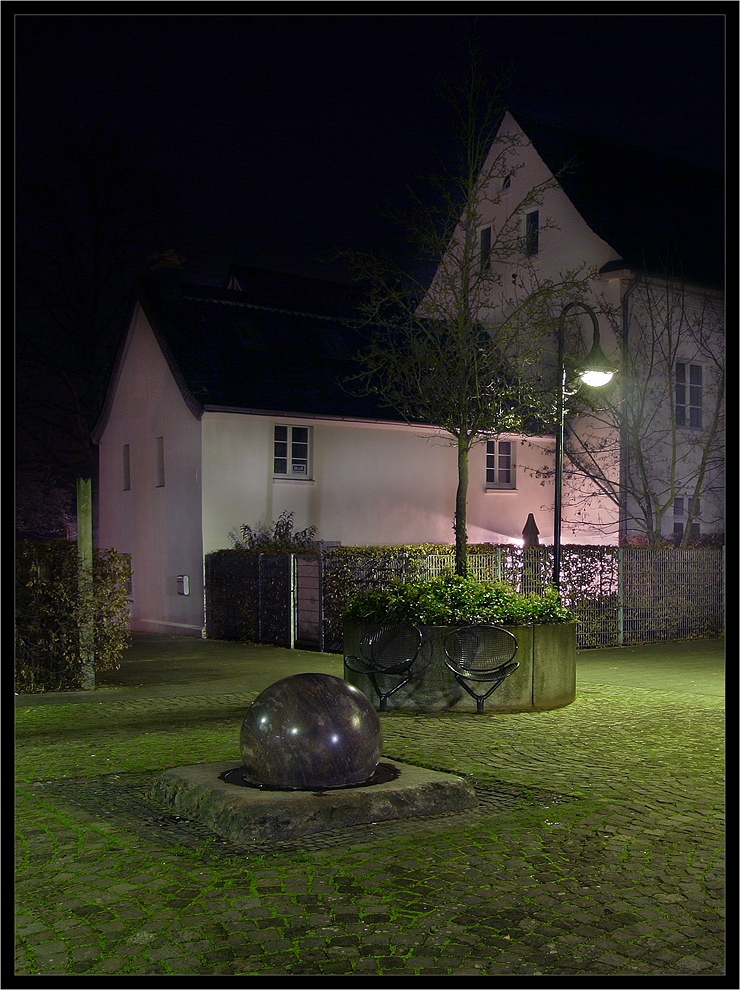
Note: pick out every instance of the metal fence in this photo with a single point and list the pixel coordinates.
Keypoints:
(621, 596)
(672, 594)
(589, 582)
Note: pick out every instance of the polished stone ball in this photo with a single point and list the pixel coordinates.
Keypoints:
(308, 732)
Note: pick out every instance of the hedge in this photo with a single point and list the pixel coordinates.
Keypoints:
(49, 610)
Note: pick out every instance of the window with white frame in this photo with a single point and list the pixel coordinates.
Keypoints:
(500, 464)
(292, 452)
(681, 509)
(689, 385)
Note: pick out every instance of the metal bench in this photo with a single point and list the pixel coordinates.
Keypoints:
(386, 656)
(481, 654)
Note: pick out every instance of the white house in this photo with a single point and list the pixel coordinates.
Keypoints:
(227, 406)
(225, 410)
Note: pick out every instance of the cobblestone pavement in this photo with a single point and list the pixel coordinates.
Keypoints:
(596, 849)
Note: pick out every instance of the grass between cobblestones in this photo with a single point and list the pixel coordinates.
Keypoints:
(597, 849)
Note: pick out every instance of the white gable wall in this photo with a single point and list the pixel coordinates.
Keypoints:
(160, 527)
(565, 243)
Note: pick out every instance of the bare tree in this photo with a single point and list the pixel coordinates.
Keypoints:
(657, 443)
(44, 506)
(465, 354)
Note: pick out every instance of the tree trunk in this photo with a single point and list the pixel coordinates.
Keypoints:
(461, 509)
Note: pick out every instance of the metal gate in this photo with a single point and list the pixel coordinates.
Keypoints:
(309, 626)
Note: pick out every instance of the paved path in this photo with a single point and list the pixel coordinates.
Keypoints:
(596, 849)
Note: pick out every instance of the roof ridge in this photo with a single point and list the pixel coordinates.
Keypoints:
(268, 309)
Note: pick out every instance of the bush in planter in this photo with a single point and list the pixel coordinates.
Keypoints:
(452, 600)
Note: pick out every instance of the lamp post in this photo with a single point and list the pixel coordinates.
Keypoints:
(596, 371)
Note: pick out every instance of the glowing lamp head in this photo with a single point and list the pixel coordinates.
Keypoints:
(596, 378)
(597, 369)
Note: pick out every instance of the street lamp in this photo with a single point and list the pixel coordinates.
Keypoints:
(595, 371)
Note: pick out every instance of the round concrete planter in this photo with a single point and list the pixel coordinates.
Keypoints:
(546, 677)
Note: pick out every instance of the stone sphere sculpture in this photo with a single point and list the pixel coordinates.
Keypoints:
(310, 731)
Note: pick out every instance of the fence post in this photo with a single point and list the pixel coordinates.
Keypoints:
(259, 598)
(620, 596)
(321, 600)
(723, 601)
(293, 599)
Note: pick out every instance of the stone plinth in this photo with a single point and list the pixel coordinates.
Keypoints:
(250, 815)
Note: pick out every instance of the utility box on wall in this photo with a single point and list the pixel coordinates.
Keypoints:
(183, 584)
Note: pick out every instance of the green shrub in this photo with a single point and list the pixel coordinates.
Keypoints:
(50, 610)
(451, 600)
(279, 535)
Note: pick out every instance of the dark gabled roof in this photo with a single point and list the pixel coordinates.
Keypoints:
(297, 293)
(663, 216)
(280, 354)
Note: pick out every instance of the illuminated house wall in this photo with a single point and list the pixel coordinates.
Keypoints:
(370, 484)
(159, 525)
(673, 451)
(614, 212)
(565, 241)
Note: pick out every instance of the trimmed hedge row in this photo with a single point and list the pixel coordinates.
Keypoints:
(50, 609)
(451, 600)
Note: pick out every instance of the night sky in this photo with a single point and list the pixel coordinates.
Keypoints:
(281, 138)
